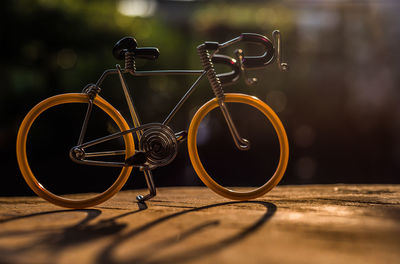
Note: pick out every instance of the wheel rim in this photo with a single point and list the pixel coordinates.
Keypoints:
(198, 166)
(27, 173)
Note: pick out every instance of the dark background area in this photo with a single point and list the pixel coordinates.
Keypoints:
(339, 102)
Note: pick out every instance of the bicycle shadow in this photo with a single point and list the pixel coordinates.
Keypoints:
(91, 214)
(57, 240)
(106, 256)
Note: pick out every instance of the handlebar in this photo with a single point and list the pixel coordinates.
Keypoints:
(252, 62)
(273, 51)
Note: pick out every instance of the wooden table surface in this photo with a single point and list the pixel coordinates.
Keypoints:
(291, 224)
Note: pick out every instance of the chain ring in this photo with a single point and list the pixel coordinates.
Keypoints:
(160, 145)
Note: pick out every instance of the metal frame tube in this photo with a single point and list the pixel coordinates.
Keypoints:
(183, 99)
(129, 100)
(85, 122)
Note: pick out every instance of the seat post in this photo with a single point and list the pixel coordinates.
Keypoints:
(128, 97)
(130, 65)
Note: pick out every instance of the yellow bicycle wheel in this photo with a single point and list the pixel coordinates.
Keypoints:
(69, 100)
(258, 106)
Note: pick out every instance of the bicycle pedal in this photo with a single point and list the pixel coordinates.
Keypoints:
(181, 136)
(138, 159)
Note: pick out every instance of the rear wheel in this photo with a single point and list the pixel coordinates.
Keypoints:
(249, 107)
(42, 139)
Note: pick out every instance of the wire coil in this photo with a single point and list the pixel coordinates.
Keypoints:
(208, 66)
(92, 90)
(159, 144)
(130, 61)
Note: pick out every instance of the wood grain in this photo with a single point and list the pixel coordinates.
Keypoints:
(291, 224)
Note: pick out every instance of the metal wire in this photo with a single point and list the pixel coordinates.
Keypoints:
(130, 65)
(160, 145)
(208, 66)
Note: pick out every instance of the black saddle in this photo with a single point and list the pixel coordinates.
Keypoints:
(129, 44)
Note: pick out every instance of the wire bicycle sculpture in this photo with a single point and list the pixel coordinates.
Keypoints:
(156, 143)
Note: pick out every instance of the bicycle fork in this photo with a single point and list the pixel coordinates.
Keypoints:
(241, 143)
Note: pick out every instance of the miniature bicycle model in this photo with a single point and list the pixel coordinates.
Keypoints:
(157, 143)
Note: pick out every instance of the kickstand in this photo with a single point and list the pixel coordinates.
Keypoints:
(148, 175)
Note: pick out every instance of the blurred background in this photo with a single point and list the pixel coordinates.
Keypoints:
(340, 101)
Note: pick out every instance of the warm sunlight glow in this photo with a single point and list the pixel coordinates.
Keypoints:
(141, 8)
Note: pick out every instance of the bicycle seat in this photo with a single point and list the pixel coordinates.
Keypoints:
(129, 44)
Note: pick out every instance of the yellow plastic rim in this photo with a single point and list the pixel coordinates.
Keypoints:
(198, 166)
(24, 164)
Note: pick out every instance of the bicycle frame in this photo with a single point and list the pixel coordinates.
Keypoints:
(137, 127)
(240, 142)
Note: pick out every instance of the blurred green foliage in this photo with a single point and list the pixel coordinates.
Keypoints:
(244, 15)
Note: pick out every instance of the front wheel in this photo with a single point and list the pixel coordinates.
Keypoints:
(256, 107)
(45, 138)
